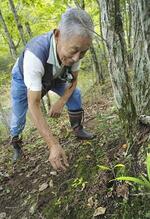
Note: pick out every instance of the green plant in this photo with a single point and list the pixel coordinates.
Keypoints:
(144, 181)
(79, 182)
(117, 170)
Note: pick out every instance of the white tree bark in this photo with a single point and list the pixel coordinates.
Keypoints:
(113, 34)
(141, 56)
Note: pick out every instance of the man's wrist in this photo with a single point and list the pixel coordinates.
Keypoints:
(50, 146)
(63, 100)
(53, 143)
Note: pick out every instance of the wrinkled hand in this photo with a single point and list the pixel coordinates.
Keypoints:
(57, 158)
(56, 109)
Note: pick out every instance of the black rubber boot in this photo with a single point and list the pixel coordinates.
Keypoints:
(76, 120)
(17, 142)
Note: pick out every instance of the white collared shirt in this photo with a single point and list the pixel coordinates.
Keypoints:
(34, 70)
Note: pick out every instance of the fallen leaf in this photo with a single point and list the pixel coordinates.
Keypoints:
(83, 185)
(34, 181)
(54, 173)
(7, 191)
(109, 194)
(24, 217)
(32, 209)
(33, 191)
(96, 203)
(90, 202)
(43, 187)
(124, 146)
(2, 215)
(51, 183)
(44, 175)
(99, 211)
(88, 156)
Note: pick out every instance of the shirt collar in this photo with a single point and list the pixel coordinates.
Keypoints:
(52, 59)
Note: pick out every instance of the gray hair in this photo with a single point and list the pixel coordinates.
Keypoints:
(76, 21)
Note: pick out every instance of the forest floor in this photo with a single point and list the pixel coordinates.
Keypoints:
(32, 189)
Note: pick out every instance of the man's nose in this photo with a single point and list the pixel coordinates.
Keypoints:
(76, 57)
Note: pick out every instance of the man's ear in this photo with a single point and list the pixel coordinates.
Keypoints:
(57, 34)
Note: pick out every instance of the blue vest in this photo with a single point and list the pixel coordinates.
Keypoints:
(40, 46)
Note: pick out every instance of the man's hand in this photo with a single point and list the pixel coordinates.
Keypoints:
(57, 108)
(58, 158)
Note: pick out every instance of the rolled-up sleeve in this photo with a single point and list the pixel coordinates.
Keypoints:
(33, 71)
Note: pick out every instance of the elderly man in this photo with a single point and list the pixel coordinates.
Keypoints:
(51, 62)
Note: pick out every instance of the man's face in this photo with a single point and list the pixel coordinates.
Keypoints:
(71, 50)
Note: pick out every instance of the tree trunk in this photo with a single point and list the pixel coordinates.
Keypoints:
(113, 33)
(28, 29)
(19, 25)
(130, 54)
(144, 8)
(141, 56)
(96, 64)
(80, 4)
(101, 32)
(8, 36)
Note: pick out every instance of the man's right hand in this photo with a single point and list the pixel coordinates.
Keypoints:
(58, 158)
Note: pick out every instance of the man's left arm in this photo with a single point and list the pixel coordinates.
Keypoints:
(56, 109)
(71, 87)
